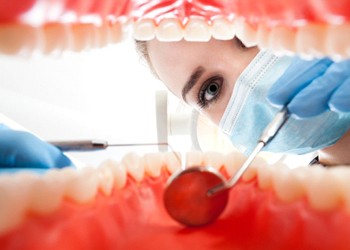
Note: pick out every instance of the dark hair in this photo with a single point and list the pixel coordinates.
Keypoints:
(142, 51)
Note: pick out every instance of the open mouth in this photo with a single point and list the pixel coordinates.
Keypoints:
(119, 205)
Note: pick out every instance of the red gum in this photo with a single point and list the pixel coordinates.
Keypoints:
(134, 218)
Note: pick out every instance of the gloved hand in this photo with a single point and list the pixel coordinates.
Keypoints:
(19, 149)
(312, 87)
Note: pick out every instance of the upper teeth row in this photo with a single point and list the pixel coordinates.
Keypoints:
(312, 40)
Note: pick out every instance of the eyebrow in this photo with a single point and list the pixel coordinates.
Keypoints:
(193, 79)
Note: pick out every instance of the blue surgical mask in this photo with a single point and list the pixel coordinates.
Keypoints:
(248, 113)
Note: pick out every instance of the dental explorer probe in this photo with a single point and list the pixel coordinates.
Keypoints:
(268, 134)
(197, 195)
(92, 145)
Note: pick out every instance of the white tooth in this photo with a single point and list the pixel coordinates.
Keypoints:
(246, 33)
(194, 158)
(172, 161)
(47, 193)
(134, 166)
(263, 36)
(153, 164)
(265, 176)
(14, 198)
(144, 30)
(233, 161)
(222, 29)
(106, 178)
(213, 159)
(197, 30)
(337, 41)
(116, 32)
(81, 185)
(282, 40)
(169, 30)
(289, 185)
(342, 176)
(119, 172)
(310, 40)
(322, 189)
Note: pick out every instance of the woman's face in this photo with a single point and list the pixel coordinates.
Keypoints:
(202, 74)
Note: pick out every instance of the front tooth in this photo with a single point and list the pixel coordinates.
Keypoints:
(144, 30)
(169, 30)
(310, 40)
(81, 185)
(213, 159)
(153, 164)
(246, 33)
(233, 161)
(134, 166)
(194, 158)
(197, 30)
(223, 29)
(115, 32)
(282, 39)
(106, 178)
(337, 40)
(288, 184)
(172, 161)
(118, 171)
(322, 189)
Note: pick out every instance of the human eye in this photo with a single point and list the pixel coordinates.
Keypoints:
(209, 91)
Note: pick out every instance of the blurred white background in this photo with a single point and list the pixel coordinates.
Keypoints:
(104, 93)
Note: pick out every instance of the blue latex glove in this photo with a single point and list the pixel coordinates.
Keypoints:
(19, 149)
(312, 87)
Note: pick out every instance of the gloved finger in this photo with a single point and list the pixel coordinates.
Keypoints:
(4, 127)
(340, 100)
(19, 149)
(313, 100)
(297, 76)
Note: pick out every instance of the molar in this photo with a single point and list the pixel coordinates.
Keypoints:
(169, 30)
(322, 189)
(282, 40)
(310, 40)
(337, 41)
(197, 30)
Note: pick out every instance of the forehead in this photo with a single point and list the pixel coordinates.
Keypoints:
(174, 62)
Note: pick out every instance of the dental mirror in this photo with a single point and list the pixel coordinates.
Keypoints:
(186, 196)
(196, 196)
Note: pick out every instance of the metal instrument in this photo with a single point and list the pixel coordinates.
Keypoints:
(196, 196)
